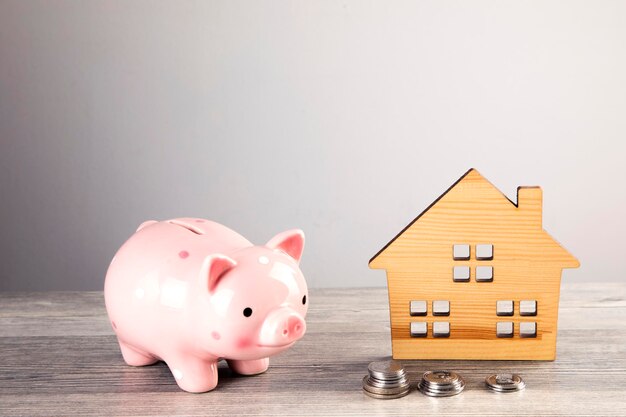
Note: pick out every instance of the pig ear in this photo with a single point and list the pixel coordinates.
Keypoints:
(145, 224)
(214, 267)
(291, 242)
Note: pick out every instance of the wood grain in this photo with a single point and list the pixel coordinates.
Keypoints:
(527, 265)
(60, 358)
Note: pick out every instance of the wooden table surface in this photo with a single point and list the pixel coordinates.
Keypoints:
(58, 356)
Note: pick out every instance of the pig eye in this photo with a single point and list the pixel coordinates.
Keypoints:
(247, 311)
(304, 300)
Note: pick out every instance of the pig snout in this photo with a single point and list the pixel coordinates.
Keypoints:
(282, 326)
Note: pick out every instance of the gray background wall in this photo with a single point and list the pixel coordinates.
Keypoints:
(343, 118)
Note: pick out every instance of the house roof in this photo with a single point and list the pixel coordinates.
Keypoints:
(474, 174)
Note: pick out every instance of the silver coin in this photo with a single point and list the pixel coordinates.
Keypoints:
(386, 396)
(385, 369)
(505, 382)
(386, 385)
(391, 380)
(505, 390)
(442, 378)
(439, 393)
(394, 379)
(388, 381)
(434, 393)
(386, 390)
(457, 389)
(448, 388)
(442, 386)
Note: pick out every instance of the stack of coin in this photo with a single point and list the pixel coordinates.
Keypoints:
(441, 383)
(505, 383)
(386, 380)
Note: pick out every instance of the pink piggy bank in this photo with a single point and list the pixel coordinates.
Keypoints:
(190, 292)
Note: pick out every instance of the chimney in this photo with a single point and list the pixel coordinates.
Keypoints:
(529, 203)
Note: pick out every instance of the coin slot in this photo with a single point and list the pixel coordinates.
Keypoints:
(418, 308)
(528, 329)
(461, 252)
(189, 226)
(504, 329)
(461, 273)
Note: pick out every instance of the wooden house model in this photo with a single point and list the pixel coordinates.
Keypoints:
(475, 276)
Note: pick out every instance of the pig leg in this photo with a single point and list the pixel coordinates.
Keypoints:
(251, 367)
(193, 374)
(134, 357)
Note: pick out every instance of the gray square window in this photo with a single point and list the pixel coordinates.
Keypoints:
(419, 329)
(441, 329)
(461, 274)
(504, 329)
(528, 329)
(418, 308)
(484, 273)
(461, 252)
(528, 308)
(504, 308)
(484, 252)
(441, 308)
